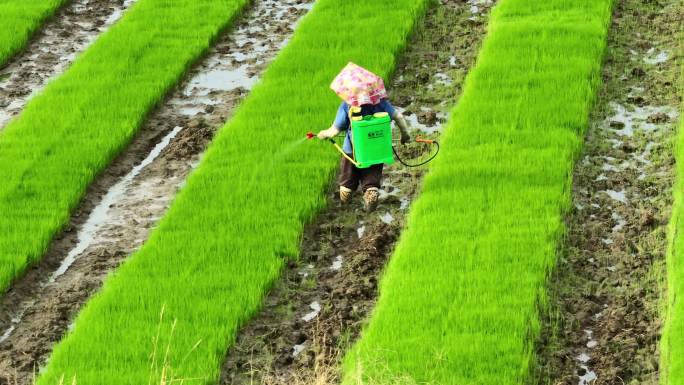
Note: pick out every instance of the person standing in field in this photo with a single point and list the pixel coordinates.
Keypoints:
(363, 93)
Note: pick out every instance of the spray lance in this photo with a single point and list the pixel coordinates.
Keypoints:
(372, 142)
(311, 135)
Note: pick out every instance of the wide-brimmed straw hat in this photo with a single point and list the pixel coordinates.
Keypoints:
(357, 86)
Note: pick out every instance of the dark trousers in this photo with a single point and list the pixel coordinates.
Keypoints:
(351, 176)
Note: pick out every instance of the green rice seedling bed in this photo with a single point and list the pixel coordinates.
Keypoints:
(240, 216)
(19, 20)
(70, 132)
(460, 299)
(672, 340)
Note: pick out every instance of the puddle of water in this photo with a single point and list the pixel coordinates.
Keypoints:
(452, 61)
(9, 331)
(598, 315)
(621, 222)
(337, 263)
(13, 325)
(636, 90)
(636, 118)
(476, 5)
(589, 377)
(583, 358)
(315, 309)
(413, 122)
(654, 57)
(54, 44)
(100, 215)
(222, 80)
(118, 13)
(360, 231)
(616, 143)
(443, 79)
(297, 349)
(609, 167)
(387, 218)
(616, 195)
(388, 190)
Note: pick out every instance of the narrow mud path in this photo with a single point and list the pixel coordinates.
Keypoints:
(53, 49)
(127, 200)
(316, 311)
(608, 290)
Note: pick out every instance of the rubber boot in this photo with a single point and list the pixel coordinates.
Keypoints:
(345, 194)
(370, 198)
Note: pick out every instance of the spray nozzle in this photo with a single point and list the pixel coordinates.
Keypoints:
(310, 135)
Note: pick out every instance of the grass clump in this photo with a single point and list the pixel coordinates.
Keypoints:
(71, 131)
(240, 216)
(459, 302)
(19, 20)
(672, 340)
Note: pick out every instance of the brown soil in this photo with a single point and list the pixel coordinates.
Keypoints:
(345, 249)
(608, 288)
(200, 108)
(52, 50)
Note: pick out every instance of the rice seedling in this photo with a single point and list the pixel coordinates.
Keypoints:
(460, 299)
(19, 20)
(81, 121)
(240, 216)
(672, 340)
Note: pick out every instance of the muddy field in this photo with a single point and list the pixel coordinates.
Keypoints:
(317, 310)
(609, 287)
(53, 49)
(126, 201)
(607, 292)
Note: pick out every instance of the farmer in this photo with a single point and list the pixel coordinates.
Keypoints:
(364, 92)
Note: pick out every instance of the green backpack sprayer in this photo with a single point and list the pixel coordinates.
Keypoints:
(372, 142)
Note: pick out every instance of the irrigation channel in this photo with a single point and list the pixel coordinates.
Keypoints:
(128, 198)
(53, 49)
(316, 310)
(609, 288)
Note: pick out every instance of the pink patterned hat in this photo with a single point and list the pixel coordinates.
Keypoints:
(356, 86)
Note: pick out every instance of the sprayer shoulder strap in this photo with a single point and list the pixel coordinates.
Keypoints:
(351, 131)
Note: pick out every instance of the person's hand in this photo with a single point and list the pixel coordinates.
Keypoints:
(405, 137)
(325, 134)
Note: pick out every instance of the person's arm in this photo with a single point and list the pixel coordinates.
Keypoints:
(341, 120)
(329, 133)
(399, 119)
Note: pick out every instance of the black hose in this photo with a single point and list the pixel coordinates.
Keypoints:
(419, 164)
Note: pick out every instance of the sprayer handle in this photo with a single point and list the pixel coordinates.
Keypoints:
(421, 140)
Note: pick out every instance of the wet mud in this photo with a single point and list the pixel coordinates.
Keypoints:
(316, 311)
(53, 49)
(608, 291)
(128, 198)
